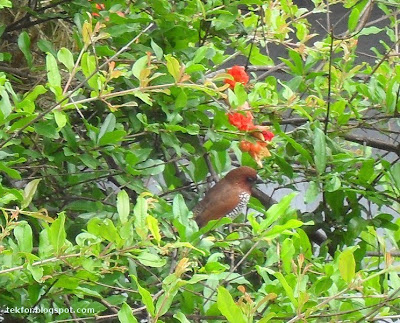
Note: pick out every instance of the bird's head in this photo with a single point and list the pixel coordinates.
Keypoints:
(244, 175)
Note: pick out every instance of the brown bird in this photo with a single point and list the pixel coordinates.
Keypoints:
(226, 198)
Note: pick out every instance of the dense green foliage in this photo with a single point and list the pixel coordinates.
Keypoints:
(112, 118)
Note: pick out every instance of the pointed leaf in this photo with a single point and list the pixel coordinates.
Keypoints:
(146, 297)
(320, 150)
(125, 314)
(228, 307)
(65, 56)
(347, 265)
(57, 235)
(173, 67)
(123, 206)
(23, 234)
(29, 191)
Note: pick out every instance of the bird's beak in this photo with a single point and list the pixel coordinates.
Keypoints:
(259, 180)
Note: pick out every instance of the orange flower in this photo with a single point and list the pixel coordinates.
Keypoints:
(258, 150)
(100, 6)
(239, 75)
(241, 121)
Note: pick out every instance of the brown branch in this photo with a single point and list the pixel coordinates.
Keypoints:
(265, 199)
(373, 143)
(381, 254)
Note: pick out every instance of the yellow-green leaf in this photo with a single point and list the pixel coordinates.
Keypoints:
(173, 67)
(347, 265)
(152, 224)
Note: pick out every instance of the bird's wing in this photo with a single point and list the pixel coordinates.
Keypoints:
(218, 202)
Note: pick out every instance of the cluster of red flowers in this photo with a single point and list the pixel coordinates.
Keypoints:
(243, 121)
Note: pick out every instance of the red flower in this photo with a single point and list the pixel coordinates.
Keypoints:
(268, 135)
(241, 121)
(100, 6)
(239, 75)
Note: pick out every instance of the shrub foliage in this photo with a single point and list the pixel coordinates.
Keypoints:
(114, 121)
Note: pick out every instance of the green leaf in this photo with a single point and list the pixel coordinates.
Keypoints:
(181, 317)
(125, 314)
(278, 229)
(320, 150)
(46, 47)
(140, 214)
(145, 97)
(36, 271)
(241, 94)
(29, 191)
(228, 307)
(171, 288)
(287, 253)
(277, 210)
(23, 234)
(5, 104)
(200, 54)
(57, 235)
(180, 209)
(312, 192)
(27, 104)
(173, 67)
(181, 100)
(82, 291)
(89, 67)
(112, 137)
(333, 183)
(286, 287)
(373, 30)
(297, 147)
(65, 57)
(146, 297)
(151, 260)
(347, 265)
(123, 206)
(395, 171)
(157, 50)
(107, 126)
(104, 228)
(61, 119)
(24, 44)
(366, 173)
(47, 129)
(139, 66)
(353, 19)
(259, 59)
(9, 171)
(53, 74)
(151, 167)
(5, 4)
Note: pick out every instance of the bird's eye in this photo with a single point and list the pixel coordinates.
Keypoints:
(251, 179)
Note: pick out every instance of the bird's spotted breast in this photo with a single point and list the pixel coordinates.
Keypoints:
(244, 198)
